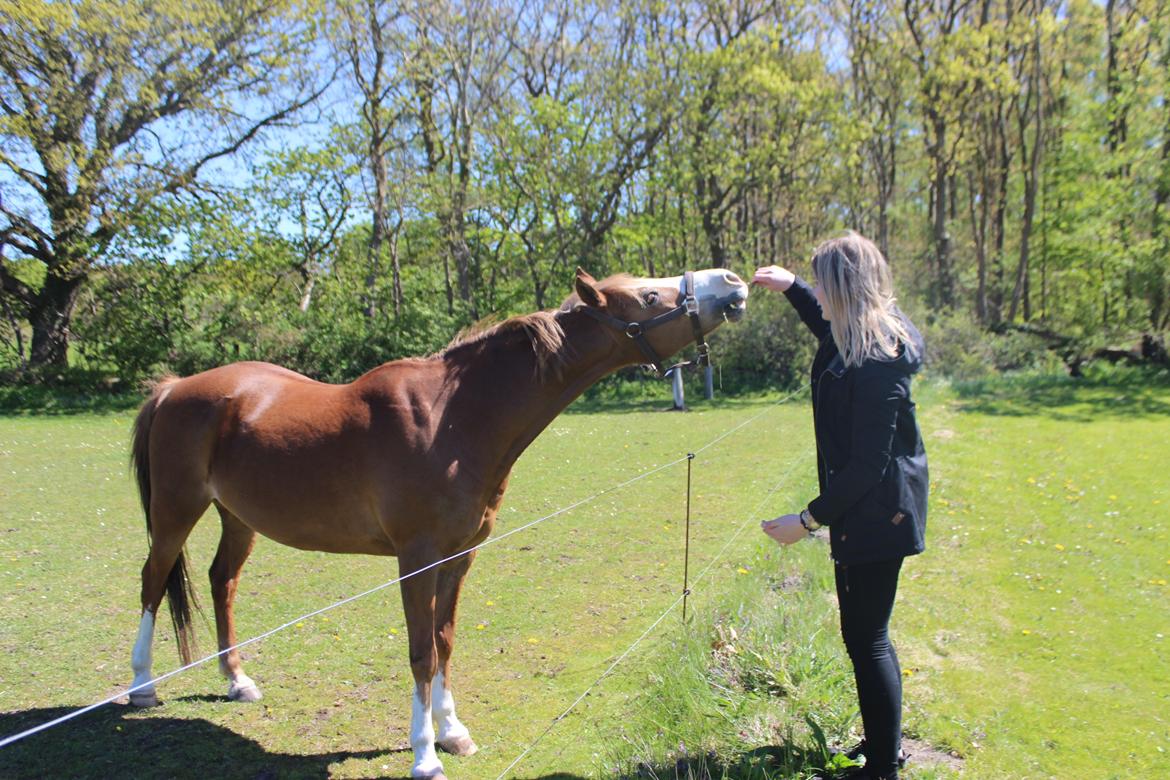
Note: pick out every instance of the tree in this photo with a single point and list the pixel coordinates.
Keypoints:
(457, 64)
(107, 106)
(371, 37)
(305, 199)
(944, 53)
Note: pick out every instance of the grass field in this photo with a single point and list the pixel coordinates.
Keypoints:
(1032, 631)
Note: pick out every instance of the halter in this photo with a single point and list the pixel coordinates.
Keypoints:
(637, 330)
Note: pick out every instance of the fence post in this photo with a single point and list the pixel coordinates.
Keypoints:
(676, 379)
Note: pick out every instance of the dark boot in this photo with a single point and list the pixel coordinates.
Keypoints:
(857, 752)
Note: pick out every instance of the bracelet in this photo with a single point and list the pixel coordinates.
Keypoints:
(808, 521)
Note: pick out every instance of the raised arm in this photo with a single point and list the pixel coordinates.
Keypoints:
(800, 295)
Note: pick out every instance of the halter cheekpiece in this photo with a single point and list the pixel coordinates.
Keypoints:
(637, 330)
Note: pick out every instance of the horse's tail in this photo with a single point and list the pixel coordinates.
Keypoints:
(180, 595)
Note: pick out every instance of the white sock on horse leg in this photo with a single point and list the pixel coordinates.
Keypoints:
(443, 704)
(140, 661)
(422, 739)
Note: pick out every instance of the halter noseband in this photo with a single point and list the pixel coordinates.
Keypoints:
(637, 330)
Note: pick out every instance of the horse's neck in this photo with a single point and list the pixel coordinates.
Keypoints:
(532, 403)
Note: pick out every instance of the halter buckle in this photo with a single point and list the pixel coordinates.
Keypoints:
(633, 329)
(692, 304)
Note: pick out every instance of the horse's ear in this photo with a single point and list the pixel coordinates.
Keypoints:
(587, 289)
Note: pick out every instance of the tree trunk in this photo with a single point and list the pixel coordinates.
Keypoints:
(1161, 230)
(978, 217)
(51, 313)
(379, 230)
(1031, 185)
(942, 201)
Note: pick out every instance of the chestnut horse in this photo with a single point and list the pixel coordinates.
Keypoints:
(410, 460)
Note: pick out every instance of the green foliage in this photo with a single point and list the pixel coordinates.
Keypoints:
(649, 140)
(131, 317)
(772, 350)
(956, 347)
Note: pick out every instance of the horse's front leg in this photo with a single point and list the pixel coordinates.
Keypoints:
(453, 735)
(418, 601)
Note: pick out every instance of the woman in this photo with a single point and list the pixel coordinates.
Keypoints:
(871, 465)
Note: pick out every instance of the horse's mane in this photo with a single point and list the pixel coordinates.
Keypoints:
(542, 328)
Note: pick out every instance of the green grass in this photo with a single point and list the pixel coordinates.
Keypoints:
(1037, 658)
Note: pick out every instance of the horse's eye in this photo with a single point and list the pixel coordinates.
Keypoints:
(651, 297)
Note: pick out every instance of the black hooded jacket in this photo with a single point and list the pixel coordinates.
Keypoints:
(871, 464)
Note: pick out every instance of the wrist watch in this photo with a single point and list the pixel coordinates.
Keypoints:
(808, 521)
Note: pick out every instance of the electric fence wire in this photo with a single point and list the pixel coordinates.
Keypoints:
(10, 739)
(752, 516)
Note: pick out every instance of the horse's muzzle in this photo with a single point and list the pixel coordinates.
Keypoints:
(734, 306)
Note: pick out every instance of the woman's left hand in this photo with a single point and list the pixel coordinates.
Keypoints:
(785, 529)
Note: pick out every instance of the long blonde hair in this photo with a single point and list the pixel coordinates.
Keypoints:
(859, 291)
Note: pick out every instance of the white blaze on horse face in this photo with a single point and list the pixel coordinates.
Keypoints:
(443, 704)
(140, 659)
(422, 739)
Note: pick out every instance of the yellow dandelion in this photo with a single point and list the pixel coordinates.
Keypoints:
(907, 672)
(533, 641)
(742, 570)
(1026, 631)
(491, 603)
(394, 632)
(1059, 547)
(480, 626)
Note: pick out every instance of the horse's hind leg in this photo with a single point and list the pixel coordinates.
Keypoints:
(453, 736)
(164, 573)
(235, 544)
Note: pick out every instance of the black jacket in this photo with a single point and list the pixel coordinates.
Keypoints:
(871, 464)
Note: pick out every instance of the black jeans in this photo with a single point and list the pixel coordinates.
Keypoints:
(865, 595)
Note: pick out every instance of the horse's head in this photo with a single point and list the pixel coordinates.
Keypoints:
(659, 317)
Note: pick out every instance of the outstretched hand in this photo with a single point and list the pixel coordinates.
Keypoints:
(785, 529)
(774, 277)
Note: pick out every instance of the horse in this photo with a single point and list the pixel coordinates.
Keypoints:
(409, 460)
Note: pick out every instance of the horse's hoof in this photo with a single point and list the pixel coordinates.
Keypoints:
(144, 699)
(247, 692)
(458, 746)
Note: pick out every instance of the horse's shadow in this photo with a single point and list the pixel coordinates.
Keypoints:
(117, 741)
(123, 742)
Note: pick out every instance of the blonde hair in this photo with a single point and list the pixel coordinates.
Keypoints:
(859, 292)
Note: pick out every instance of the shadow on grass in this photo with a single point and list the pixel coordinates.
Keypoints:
(764, 763)
(122, 741)
(1125, 394)
(31, 400)
(119, 741)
